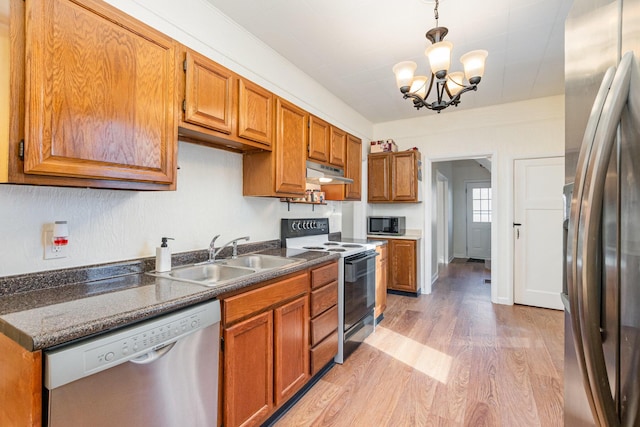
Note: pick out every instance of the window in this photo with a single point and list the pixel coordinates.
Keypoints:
(481, 204)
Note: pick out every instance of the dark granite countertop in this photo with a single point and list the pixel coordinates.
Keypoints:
(43, 318)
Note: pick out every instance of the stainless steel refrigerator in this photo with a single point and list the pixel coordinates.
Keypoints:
(602, 214)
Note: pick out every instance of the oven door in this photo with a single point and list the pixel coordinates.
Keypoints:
(359, 287)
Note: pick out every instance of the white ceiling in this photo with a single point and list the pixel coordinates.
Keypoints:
(350, 46)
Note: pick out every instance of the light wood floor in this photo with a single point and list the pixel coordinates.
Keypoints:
(446, 359)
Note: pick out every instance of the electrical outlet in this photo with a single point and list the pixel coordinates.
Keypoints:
(50, 250)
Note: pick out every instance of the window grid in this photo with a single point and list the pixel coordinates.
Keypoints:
(481, 198)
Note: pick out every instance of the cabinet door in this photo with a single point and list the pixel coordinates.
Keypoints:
(255, 112)
(378, 178)
(353, 168)
(381, 280)
(208, 93)
(319, 139)
(337, 150)
(100, 94)
(291, 332)
(290, 158)
(404, 178)
(402, 276)
(248, 371)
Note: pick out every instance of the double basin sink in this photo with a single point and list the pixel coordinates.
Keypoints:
(219, 272)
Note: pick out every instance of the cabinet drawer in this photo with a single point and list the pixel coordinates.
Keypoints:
(324, 325)
(323, 275)
(248, 303)
(323, 298)
(324, 352)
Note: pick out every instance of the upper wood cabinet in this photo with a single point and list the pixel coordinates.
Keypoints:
(255, 112)
(209, 97)
(97, 105)
(353, 170)
(221, 108)
(319, 140)
(282, 172)
(327, 143)
(394, 177)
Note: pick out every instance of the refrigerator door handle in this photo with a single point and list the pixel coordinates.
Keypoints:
(587, 279)
(574, 239)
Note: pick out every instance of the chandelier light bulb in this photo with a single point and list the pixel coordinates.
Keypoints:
(455, 82)
(439, 55)
(404, 73)
(419, 86)
(473, 63)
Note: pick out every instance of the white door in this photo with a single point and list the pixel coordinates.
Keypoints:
(479, 219)
(537, 232)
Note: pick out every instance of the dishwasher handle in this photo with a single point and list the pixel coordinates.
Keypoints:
(153, 355)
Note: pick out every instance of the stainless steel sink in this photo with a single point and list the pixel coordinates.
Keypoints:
(224, 270)
(261, 262)
(210, 273)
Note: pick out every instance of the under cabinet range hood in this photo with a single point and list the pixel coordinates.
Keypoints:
(320, 174)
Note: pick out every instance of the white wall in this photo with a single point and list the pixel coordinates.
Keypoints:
(463, 171)
(109, 225)
(528, 129)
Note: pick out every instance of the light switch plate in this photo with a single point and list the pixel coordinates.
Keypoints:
(50, 250)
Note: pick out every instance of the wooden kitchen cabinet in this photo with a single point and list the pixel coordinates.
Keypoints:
(98, 95)
(324, 316)
(266, 349)
(403, 266)
(382, 274)
(394, 177)
(248, 371)
(209, 95)
(291, 348)
(353, 170)
(221, 108)
(319, 140)
(327, 143)
(20, 385)
(282, 172)
(337, 147)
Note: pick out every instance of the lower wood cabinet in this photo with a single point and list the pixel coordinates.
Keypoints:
(382, 273)
(403, 265)
(398, 264)
(266, 349)
(324, 316)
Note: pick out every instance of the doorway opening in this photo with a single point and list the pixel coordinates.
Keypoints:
(451, 234)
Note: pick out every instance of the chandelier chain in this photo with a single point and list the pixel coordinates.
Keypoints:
(435, 12)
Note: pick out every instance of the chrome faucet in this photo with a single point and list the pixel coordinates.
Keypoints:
(213, 253)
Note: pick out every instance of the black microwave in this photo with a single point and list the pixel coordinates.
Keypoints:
(393, 225)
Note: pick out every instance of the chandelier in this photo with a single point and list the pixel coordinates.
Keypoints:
(453, 84)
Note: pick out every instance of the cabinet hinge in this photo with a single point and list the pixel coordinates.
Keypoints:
(21, 149)
(184, 105)
(221, 344)
(184, 65)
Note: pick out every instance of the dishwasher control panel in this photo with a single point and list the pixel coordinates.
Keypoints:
(135, 343)
(149, 339)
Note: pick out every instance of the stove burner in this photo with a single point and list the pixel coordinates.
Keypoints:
(331, 244)
(314, 248)
(336, 250)
(351, 245)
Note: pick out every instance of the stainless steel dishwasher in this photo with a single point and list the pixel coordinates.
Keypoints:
(161, 372)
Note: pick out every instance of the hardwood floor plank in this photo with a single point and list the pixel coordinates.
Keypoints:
(451, 358)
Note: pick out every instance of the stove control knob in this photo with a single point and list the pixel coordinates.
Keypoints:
(305, 225)
(315, 224)
(293, 226)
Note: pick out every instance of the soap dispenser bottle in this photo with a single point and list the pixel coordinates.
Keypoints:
(163, 256)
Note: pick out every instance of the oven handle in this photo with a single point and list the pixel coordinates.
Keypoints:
(358, 260)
